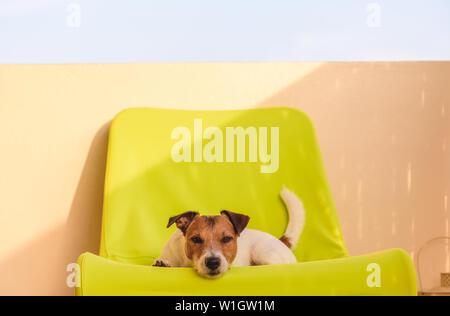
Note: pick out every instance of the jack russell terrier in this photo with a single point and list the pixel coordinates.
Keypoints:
(211, 244)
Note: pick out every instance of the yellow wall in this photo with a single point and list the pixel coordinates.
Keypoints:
(383, 129)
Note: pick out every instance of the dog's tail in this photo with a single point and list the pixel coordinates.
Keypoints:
(296, 218)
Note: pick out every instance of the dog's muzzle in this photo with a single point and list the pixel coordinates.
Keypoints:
(212, 263)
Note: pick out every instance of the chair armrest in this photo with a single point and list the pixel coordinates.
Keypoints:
(344, 276)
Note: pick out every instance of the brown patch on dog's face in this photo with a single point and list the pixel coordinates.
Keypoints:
(211, 243)
(211, 233)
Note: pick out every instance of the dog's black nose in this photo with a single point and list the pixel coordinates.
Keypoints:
(212, 263)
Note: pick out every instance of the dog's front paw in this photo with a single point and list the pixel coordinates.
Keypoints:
(161, 263)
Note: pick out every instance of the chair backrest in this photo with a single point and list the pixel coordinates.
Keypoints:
(164, 162)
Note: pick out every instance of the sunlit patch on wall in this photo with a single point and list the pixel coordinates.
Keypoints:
(413, 233)
(446, 203)
(423, 98)
(394, 223)
(342, 162)
(447, 254)
(360, 209)
(337, 85)
(360, 223)
(372, 165)
(409, 177)
(424, 77)
(359, 190)
(393, 138)
(344, 191)
(394, 181)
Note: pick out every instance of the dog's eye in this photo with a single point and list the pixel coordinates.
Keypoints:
(197, 240)
(227, 239)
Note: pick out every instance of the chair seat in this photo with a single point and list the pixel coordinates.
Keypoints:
(345, 276)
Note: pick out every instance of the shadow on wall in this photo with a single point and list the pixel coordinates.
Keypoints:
(45, 260)
(383, 133)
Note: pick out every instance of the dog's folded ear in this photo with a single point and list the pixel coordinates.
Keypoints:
(183, 220)
(239, 221)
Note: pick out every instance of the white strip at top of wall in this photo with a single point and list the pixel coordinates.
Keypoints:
(110, 31)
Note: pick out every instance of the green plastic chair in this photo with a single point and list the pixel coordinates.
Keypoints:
(146, 184)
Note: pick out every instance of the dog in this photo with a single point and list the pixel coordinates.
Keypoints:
(211, 244)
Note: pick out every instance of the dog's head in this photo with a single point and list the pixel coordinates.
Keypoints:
(211, 241)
